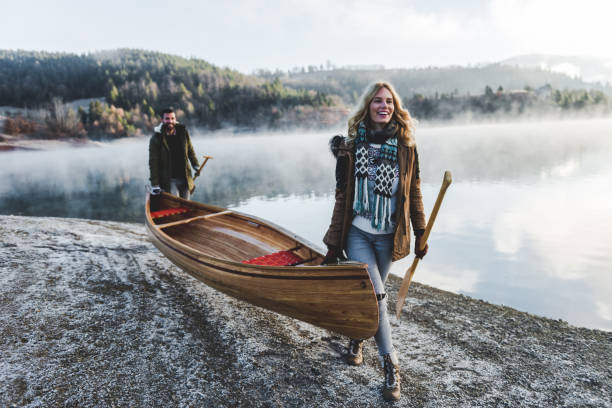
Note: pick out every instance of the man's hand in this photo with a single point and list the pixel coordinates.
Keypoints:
(196, 172)
(155, 190)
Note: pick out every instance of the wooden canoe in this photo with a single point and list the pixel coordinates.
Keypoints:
(212, 243)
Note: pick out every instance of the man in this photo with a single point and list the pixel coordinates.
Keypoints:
(170, 152)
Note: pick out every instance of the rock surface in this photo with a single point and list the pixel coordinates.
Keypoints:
(20, 142)
(91, 314)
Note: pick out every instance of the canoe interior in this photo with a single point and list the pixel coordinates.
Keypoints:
(231, 237)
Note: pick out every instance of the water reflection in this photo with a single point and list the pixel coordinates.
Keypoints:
(517, 153)
(525, 223)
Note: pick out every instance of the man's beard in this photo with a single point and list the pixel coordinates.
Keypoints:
(168, 127)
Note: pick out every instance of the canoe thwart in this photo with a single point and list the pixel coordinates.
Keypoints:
(199, 217)
(295, 248)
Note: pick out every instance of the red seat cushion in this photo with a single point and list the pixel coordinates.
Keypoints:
(169, 211)
(282, 258)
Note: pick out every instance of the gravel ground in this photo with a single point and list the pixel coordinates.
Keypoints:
(91, 314)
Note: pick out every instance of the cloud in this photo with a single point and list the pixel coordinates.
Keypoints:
(246, 34)
(561, 225)
(507, 233)
(553, 27)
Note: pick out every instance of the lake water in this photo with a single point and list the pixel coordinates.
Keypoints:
(526, 223)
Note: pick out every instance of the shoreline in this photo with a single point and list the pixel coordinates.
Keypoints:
(93, 314)
(10, 143)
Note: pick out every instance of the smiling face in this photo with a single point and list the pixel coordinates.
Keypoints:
(381, 108)
(169, 119)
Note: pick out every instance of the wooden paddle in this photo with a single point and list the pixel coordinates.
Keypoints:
(401, 296)
(198, 173)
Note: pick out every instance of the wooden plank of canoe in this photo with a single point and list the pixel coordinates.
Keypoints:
(338, 298)
(218, 245)
(342, 302)
(231, 240)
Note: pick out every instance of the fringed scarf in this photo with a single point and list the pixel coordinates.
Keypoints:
(379, 211)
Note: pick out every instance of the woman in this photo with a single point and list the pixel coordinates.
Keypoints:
(377, 192)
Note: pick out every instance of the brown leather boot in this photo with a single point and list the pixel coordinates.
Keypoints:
(391, 389)
(354, 355)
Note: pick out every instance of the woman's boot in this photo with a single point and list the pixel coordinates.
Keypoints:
(354, 356)
(391, 389)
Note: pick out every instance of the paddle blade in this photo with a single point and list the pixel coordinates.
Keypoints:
(403, 291)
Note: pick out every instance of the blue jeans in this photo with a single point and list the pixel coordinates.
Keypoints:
(178, 187)
(375, 250)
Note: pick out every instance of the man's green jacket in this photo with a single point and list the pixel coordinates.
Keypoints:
(160, 166)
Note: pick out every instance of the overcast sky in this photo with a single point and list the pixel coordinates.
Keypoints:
(252, 34)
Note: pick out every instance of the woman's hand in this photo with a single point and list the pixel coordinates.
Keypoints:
(334, 255)
(417, 245)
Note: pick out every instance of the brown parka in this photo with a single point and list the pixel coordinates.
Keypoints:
(160, 158)
(409, 199)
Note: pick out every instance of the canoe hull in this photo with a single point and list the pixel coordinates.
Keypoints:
(338, 298)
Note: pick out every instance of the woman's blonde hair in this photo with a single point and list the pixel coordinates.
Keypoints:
(400, 115)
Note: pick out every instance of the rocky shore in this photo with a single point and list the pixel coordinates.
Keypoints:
(9, 143)
(91, 314)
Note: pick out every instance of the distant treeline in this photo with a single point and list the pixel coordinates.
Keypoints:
(349, 84)
(132, 86)
(542, 101)
(128, 88)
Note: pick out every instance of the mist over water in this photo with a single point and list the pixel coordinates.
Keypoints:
(526, 222)
(109, 182)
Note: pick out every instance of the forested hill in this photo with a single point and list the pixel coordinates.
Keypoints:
(136, 84)
(129, 88)
(350, 83)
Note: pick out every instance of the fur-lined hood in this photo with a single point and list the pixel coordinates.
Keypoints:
(338, 143)
(158, 128)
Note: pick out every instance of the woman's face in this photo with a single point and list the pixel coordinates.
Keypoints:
(381, 108)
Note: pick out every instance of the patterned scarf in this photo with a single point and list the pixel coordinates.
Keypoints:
(380, 210)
